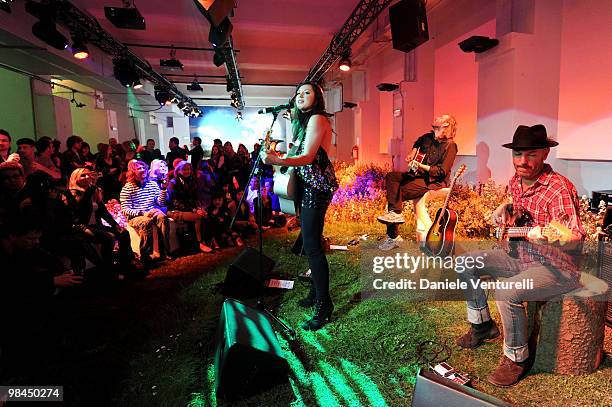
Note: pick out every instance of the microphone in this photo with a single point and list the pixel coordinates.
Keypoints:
(277, 109)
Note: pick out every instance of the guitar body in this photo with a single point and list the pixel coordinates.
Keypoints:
(420, 158)
(285, 186)
(440, 240)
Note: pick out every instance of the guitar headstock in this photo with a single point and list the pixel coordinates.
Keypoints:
(460, 171)
(556, 231)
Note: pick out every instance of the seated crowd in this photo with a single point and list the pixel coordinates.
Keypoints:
(58, 227)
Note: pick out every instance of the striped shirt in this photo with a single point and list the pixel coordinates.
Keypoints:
(136, 200)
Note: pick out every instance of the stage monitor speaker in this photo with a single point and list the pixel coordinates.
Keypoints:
(216, 10)
(433, 390)
(248, 357)
(408, 20)
(243, 276)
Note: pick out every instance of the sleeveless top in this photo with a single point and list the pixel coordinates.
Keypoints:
(317, 180)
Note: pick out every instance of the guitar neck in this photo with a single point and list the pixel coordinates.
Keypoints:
(517, 231)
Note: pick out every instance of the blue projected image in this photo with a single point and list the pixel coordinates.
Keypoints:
(221, 123)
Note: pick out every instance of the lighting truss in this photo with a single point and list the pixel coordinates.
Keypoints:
(233, 74)
(78, 22)
(361, 17)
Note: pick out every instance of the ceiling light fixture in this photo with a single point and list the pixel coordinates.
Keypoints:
(195, 86)
(79, 49)
(125, 73)
(171, 64)
(5, 5)
(345, 62)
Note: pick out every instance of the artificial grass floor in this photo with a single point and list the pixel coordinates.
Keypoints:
(366, 357)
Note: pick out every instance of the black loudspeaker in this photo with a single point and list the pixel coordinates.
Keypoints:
(248, 358)
(243, 276)
(433, 390)
(408, 20)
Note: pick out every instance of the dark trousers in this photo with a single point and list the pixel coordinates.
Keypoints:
(401, 187)
(312, 220)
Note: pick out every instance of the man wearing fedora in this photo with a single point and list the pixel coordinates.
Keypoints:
(544, 196)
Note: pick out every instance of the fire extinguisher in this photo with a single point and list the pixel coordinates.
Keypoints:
(355, 152)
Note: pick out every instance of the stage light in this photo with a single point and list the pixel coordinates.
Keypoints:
(125, 73)
(79, 50)
(195, 86)
(218, 36)
(5, 5)
(137, 84)
(218, 58)
(180, 105)
(45, 29)
(345, 62)
(238, 116)
(162, 95)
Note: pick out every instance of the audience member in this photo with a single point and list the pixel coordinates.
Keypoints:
(197, 152)
(110, 169)
(175, 152)
(71, 159)
(183, 202)
(150, 153)
(5, 147)
(141, 202)
(44, 150)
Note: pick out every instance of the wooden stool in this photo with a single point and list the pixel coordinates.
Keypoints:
(570, 329)
(423, 220)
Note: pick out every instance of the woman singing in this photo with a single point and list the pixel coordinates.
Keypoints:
(317, 184)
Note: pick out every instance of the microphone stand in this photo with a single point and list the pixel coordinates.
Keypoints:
(256, 170)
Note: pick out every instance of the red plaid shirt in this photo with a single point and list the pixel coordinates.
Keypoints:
(551, 197)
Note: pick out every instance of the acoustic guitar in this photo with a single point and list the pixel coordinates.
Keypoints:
(440, 240)
(518, 225)
(285, 178)
(419, 158)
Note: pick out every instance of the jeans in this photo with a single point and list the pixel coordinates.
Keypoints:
(313, 220)
(547, 283)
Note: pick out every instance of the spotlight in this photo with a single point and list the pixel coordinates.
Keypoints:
(162, 95)
(125, 73)
(79, 50)
(238, 116)
(77, 104)
(219, 57)
(345, 62)
(195, 86)
(218, 36)
(5, 5)
(180, 105)
(137, 84)
(478, 44)
(45, 29)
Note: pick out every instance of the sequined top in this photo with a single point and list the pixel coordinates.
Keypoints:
(316, 181)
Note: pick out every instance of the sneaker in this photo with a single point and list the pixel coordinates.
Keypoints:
(390, 244)
(392, 217)
(205, 249)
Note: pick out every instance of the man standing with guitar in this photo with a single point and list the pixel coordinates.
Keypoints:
(547, 198)
(437, 152)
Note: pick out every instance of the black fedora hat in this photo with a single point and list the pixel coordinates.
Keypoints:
(530, 138)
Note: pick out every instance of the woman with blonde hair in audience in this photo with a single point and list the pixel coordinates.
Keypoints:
(89, 213)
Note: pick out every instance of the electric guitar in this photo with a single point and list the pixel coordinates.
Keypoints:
(285, 178)
(440, 240)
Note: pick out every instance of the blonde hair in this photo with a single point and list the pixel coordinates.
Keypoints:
(73, 183)
(450, 125)
(131, 171)
(155, 164)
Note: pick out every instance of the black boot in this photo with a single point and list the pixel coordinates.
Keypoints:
(478, 333)
(310, 299)
(322, 315)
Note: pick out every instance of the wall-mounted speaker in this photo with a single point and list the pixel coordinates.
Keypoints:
(433, 390)
(408, 20)
(248, 357)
